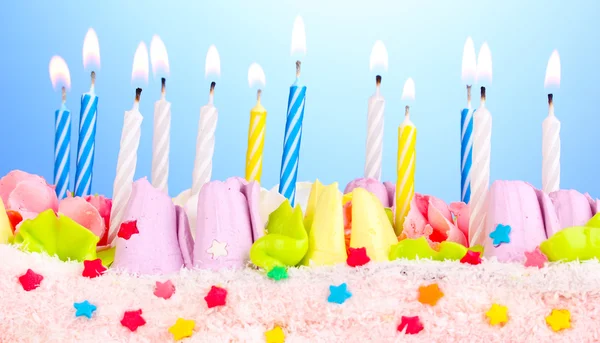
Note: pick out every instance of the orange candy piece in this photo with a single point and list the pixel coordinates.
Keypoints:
(14, 218)
(430, 294)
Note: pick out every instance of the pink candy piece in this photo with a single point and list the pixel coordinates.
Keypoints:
(156, 248)
(513, 203)
(27, 194)
(371, 185)
(83, 213)
(572, 208)
(228, 221)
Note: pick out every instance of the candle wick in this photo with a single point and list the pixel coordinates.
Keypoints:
(163, 88)
(138, 94)
(407, 111)
(211, 94)
(64, 95)
(93, 81)
(258, 94)
(550, 105)
(298, 68)
(469, 94)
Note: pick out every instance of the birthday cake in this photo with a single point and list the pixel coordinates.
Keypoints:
(243, 265)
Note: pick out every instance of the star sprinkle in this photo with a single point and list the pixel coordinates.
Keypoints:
(30, 280)
(471, 257)
(535, 258)
(497, 314)
(217, 249)
(430, 294)
(277, 273)
(133, 320)
(500, 235)
(357, 257)
(183, 328)
(164, 289)
(216, 297)
(93, 268)
(128, 229)
(413, 325)
(339, 294)
(275, 335)
(84, 309)
(559, 320)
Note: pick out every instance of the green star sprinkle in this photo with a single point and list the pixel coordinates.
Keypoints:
(278, 273)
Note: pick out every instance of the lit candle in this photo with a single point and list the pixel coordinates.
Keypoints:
(161, 137)
(59, 73)
(293, 125)
(130, 141)
(256, 128)
(482, 146)
(469, 65)
(551, 131)
(376, 107)
(207, 125)
(405, 167)
(87, 120)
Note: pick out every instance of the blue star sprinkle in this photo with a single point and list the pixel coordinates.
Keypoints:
(500, 235)
(84, 309)
(339, 294)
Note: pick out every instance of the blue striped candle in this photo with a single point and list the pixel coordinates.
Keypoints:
(466, 149)
(292, 139)
(87, 144)
(62, 148)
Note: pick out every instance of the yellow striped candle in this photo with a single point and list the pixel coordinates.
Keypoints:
(405, 184)
(256, 141)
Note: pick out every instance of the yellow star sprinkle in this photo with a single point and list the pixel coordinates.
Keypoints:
(497, 314)
(559, 320)
(183, 328)
(275, 335)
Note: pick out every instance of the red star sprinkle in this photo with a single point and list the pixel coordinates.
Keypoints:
(133, 320)
(93, 268)
(357, 257)
(216, 297)
(413, 325)
(30, 280)
(164, 289)
(128, 229)
(535, 258)
(471, 257)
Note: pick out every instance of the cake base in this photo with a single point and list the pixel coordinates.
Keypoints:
(381, 294)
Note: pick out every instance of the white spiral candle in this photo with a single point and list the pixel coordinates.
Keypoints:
(161, 142)
(374, 149)
(127, 161)
(205, 144)
(550, 150)
(480, 170)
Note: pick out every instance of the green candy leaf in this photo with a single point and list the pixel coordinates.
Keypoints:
(573, 243)
(419, 248)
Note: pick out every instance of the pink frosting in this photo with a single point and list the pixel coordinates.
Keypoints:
(514, 203)
(391, 191)
(371, 185)
(572, 207)
(83, 213)
(228, 213)
(430, 217)
(184, 235)
(155, 249)
(27, 194)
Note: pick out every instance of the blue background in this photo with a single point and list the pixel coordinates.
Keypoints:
(424, 41)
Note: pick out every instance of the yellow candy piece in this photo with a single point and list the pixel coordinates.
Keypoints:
(275, 335)
(497, 314)
(371, 226)
(559, 320)
(183, 328)
(346, 198)
(326, 243)
(311, 206)
(6, 234)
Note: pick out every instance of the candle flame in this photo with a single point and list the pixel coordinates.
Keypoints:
(298, 37)
(212, 65)
(256, 75)
(379, 56)
(469, 62)
(159, 57)
(553, 71)
(91, 50)
(408, 93)
(140, 64)
(484, 64)
(59, 73)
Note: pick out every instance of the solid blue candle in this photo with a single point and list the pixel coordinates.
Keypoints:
(292, 139)
(87, 141)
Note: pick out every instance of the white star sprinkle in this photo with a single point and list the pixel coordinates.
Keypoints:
(217, 249)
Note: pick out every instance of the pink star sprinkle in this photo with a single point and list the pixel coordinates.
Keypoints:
(535, 258)
(164, 289)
